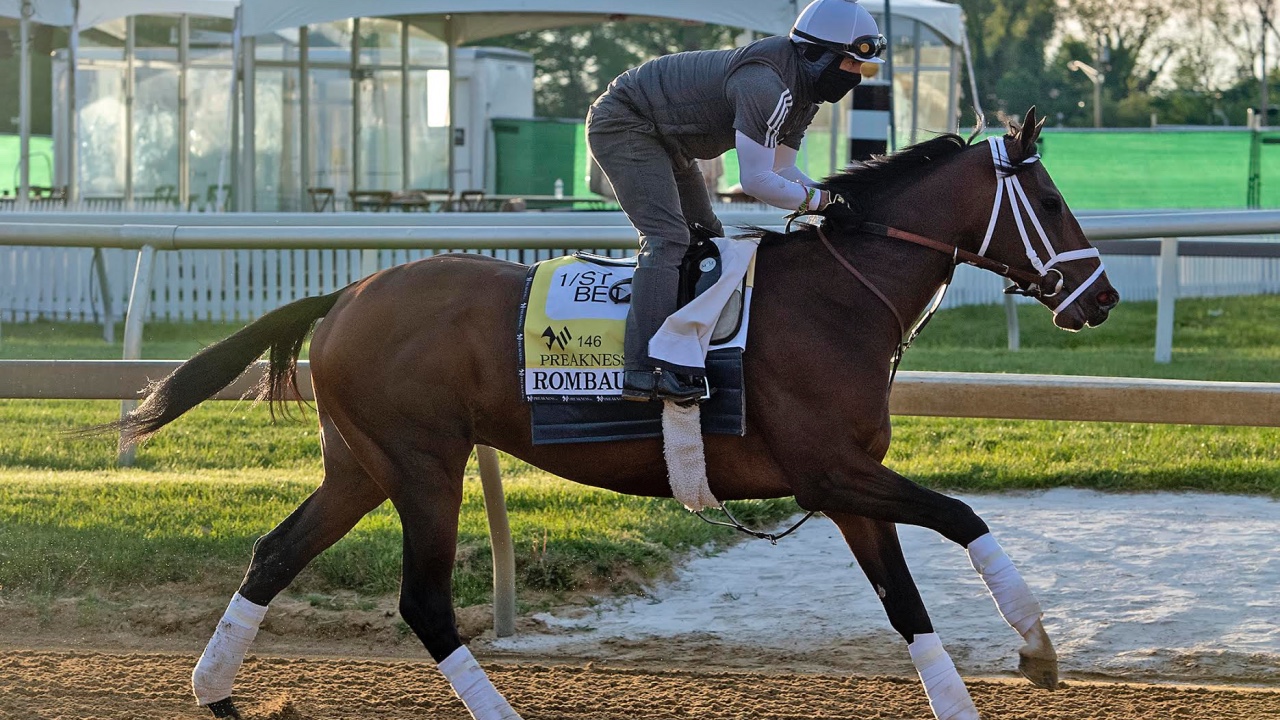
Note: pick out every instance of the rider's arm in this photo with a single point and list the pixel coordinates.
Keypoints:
(762, 104)
(756, 169)
(784, 163)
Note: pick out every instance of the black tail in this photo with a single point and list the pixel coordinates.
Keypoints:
(282, 331)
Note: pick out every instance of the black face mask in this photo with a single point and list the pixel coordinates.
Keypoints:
(833, 83)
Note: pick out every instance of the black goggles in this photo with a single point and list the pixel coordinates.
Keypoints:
(868, 47)
(865, 49)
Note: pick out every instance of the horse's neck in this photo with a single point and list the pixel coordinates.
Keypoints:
(813, 282)
(908, 275)
(941, 207)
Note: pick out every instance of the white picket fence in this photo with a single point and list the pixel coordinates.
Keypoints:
(41, 283)
(44, 283)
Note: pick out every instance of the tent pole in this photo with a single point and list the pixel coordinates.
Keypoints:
(246, 196)
(888, 71)
(24, 105)
(304, 111)
(184, 116)
(231, 149)
(451, 38)
(355, 105)
(832, 155)
(406, 147)
(129, 48)
(73, 112)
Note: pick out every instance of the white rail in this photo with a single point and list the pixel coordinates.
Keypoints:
(941, 394)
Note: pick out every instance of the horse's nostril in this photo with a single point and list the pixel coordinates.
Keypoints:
(1108, 298)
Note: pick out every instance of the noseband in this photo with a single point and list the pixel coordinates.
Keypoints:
(1007, 184)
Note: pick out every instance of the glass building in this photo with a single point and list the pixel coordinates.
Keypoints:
(357, 104)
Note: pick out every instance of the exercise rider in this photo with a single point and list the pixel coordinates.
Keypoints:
(653, 122)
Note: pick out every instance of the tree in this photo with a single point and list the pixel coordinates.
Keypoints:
(573, 65)
(1008, 40)
(1126, 32)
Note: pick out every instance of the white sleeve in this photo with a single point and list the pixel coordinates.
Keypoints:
(759, 180)
(784, 163)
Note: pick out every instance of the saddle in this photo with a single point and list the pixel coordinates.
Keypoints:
(570, 348)
(699, 270)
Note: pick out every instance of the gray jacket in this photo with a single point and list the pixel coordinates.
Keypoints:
(696, 101)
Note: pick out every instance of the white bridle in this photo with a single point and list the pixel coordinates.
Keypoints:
(1007, 184)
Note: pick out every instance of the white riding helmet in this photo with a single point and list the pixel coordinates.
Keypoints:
(842, 26)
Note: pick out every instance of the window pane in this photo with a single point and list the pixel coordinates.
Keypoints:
(934, 51)
(429, 141)
(211, 41)
(379, 42)
(156, 37)
(380, 150)
(155, 132)
(209, 108)
(331, 131)
(100, 99)
(276, 142)
(934, 102)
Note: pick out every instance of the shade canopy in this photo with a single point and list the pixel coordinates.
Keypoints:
(479, 19)
(97, 12)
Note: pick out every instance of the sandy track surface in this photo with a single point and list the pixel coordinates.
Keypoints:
(79, 685)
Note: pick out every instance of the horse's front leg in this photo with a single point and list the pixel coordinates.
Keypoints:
(875, 545)
(858, 484)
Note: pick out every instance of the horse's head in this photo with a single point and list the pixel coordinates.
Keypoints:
(1031, 230)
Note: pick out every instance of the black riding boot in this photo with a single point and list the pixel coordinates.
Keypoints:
(653, 299)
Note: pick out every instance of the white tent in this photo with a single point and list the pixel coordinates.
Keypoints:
(457, 21)
(62, 13)
(479, 19)
(77, 14)
(465, 21)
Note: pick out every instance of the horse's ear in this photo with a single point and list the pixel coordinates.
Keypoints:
(1030, 132)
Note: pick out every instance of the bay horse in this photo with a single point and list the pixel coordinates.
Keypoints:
(415, 365)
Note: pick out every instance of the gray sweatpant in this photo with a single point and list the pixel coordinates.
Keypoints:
(660, 194)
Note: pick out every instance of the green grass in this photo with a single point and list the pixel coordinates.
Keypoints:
(81, 531)
(1236, 339)
(223, 475)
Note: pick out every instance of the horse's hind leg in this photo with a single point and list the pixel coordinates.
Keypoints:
(875, 545)
(346, 494)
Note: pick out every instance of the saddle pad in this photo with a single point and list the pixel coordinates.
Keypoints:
(572, 322)
(556, 422)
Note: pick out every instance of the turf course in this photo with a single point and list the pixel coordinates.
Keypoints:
(206, 487)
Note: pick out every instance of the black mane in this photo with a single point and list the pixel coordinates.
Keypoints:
(864, 181)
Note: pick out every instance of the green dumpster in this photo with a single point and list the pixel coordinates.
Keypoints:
(530, 154)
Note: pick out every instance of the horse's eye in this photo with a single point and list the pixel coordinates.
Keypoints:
(1052, 203)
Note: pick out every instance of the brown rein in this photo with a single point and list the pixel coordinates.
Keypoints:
(1031, 281)
(959, 256)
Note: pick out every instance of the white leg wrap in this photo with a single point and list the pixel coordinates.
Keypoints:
(473, 687)
(948, 697)
(1018, 606)
(211, 680)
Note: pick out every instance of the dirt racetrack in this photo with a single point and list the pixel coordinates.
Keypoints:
(67, 685)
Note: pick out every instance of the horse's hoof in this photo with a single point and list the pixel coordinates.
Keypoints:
(224, 709)
(1040, 669)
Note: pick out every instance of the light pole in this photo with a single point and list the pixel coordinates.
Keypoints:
(1097, 77)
